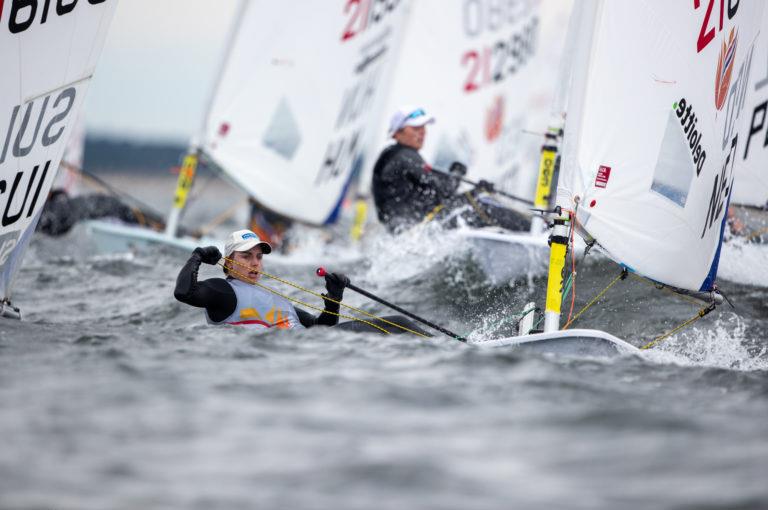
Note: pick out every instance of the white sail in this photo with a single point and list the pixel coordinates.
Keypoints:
(290, 117)
(487, 72)
(48, 53)
(651, 144)
(751, 187)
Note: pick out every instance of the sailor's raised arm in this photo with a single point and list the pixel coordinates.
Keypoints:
(215, 294)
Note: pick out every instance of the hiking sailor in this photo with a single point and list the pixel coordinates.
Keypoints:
(236, 300)
(407, 192)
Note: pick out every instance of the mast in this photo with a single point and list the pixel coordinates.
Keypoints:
(192, 158)
(580, 31)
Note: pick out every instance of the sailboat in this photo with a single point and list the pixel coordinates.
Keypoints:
(646, 178)
(487, 72)
(289, 120)
(745, 253)
(42, 88)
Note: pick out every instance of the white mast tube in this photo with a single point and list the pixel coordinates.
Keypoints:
(191, 160)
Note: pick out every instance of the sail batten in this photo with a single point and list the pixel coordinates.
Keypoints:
(650, 151)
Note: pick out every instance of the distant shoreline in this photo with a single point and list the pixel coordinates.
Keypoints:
(107, 154)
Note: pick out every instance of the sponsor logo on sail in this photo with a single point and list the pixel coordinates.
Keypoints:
(494, 119)
(725, 68)
(24, 14)
(688, 120)
(603, 174)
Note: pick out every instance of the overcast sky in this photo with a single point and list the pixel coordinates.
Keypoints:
(157, 68)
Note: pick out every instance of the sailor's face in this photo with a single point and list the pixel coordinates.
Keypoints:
(412, 136)
(246, 265)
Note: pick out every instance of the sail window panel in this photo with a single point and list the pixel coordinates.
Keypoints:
(674, 166)
(282, 134)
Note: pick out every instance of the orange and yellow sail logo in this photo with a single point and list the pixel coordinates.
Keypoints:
(725, 68)
(272, 319)
(494, 119)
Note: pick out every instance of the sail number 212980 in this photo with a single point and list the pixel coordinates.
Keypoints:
(364, 13)
(707, 32)
(23, 13)
(496, 62)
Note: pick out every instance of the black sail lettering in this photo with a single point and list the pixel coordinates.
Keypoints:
(753, 129)
(8, 134)
(39, 188)
(46, 7)
(711, 209)
(64, 8)
(11, 219)
(69, 94)
(17, 7)
(18, 150)
(96, 2)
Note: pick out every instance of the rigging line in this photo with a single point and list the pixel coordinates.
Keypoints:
(621, 276)
(222, 217)
(701, 313)
(431, 214)
(326, 298)
(254, 282)
(573, 265)
(88, 176)
(667, 289)
(567, 288)
(477, 208)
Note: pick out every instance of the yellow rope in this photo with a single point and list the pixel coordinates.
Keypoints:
(431, 215)
(594, 300)
(477, 208)
(701, 313)
(328, 298)
(254, 282)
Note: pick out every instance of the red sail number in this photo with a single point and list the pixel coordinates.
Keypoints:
(358, 20)
(706, 36)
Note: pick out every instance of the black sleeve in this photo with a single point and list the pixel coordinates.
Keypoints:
(412, 167)
(215, 295)
(324, 319)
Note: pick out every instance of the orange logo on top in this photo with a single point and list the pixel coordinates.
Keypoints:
(725, 65)
(494, 120)
(273, 318)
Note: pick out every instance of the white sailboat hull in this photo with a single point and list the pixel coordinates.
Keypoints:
(505, 256)
(114, 237)
(572, 342)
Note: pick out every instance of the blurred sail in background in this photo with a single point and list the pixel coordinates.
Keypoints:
(42, 90)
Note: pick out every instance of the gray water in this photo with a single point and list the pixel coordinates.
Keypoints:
(115, 396)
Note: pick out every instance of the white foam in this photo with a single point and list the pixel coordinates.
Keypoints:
(723, 345)
(414, 252)
(744, 263)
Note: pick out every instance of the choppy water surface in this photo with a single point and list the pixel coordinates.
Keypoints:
(114, 395)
